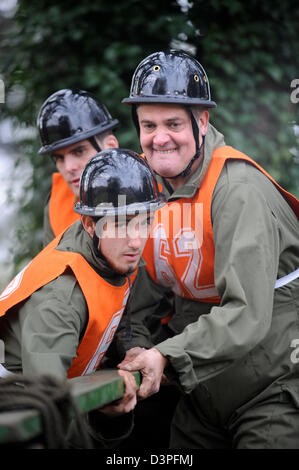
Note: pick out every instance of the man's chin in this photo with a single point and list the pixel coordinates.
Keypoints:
(75, 190)
(123, 270)
(166, 172)
(131, 269)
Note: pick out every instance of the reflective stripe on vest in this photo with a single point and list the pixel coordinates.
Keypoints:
(4, 372)
(180, 251)
(61, 205)
(283, 281)
(105, 302)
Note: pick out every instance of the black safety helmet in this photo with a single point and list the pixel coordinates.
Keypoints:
(69, 116)
(118, 182)
(171, 77)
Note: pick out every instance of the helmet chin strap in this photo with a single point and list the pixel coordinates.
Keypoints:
(187, 170)
(198, 148)
(96, 239)
(94, 143)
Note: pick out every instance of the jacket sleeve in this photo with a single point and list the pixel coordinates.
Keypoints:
(246, 239)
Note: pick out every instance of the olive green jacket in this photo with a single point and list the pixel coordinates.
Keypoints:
(241, 346)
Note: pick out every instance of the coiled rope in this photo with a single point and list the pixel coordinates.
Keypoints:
(53, 400)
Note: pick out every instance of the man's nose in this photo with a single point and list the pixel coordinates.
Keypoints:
(71, 163)
(134, 239)
(161, 137)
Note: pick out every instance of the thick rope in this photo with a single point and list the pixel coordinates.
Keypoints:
(52, 399)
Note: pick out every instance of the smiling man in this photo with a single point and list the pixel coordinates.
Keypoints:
(167, 139)
(235, 275)
(74, 126)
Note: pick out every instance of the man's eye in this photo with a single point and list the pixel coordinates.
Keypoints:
(175, 125)
(78, 152)
(57, 158)
(148, 126)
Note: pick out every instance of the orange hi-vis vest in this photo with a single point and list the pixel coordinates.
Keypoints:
(180, 251)
(106, 303)
(61, 205)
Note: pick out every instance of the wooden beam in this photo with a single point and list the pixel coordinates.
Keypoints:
(89, 391)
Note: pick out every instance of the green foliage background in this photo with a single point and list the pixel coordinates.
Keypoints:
(249, 50)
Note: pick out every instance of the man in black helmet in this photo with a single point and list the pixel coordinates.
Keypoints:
(227, 245)
(74, 126)
(59, 315)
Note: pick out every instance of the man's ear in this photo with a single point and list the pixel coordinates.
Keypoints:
(88, 224)
(110, 142)
(203, 122)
